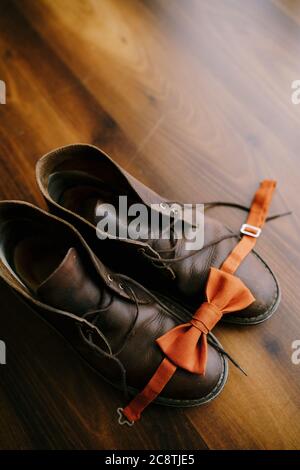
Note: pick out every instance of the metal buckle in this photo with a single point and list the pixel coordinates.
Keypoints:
(250, 230)
(122, 419)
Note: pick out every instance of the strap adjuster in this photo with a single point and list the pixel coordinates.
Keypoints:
(250, 230)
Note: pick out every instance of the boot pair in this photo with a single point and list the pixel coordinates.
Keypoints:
(139, 311)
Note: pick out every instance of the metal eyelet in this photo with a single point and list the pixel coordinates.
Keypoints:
(109, 278)
(121, 286)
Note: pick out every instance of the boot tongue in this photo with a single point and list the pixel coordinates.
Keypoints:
(70, 286)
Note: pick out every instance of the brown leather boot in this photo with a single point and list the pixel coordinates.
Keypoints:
(111, 320)
(76, 179)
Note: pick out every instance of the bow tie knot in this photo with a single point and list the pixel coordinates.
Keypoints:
(206, 317)
(186, 344)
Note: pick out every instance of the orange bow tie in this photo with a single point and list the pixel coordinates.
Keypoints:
(186, 345)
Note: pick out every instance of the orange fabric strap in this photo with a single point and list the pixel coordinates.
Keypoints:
(255, 221)
(186, 345)
(157, 383)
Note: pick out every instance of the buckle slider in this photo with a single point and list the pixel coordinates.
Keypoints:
(250, 230)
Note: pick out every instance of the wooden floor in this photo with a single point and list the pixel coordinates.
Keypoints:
(194, 98)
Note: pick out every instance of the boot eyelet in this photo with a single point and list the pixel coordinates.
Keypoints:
(121, 286)
(110, 279)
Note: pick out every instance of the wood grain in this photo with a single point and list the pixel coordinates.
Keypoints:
(194, 98)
